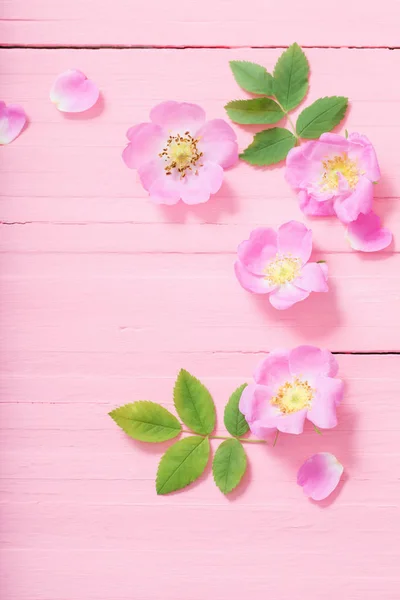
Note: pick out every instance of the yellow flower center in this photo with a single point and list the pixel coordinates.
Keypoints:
(340, 164)
(181, 154)
(282, 270)
(292, 397)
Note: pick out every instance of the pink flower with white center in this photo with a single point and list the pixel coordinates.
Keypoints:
(320, 475)
(276, 263)
(12, 121)
(73, 92)
(334, 175)
(290, 387)
(178, 155)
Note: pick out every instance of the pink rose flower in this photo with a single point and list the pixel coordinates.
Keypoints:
(179, 155)
(73, 92)
(12, 121)
(336, 176)
(276, 263)
(320, 475)
(290, 387)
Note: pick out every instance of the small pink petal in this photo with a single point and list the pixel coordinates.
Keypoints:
(329, 394)
(312, 278)
(197, 189)
(367, 235)
(145, 143)
(291, 423)
(312, 362)
(360, 201)
(287, 295)
(315, 208)
(72, 92)
(218, 143)
(320, 475)
(366, 158)
(178, 116)
(252, 400)
(260, 248)
(257, 284)
(12, 121)
(273, 371)
(163, 190)
(295, 239)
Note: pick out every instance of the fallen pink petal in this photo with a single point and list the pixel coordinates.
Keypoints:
(276, 263)
(291, 386)
(334, 175)
(12, 121)
(180, 156)
(367, 235)
(320, 475)
(73, 92)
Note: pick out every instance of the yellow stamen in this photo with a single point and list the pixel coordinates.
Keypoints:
(340, 164)
(181, 154)
(282, 270)
(294, 396)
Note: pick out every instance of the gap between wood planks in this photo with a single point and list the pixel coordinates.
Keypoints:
(155, 47)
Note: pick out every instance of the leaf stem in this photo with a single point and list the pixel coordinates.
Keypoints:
(286, 113)
(227, 437)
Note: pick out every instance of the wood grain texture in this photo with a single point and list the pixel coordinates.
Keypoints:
(265, 23)
(104, 296)
(77, 492)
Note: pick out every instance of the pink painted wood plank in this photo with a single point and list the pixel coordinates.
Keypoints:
(221, 23)
(77, 493)
(185, 301)
(103, 297)
(63, 157)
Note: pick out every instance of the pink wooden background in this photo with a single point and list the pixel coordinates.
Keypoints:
(105, 296)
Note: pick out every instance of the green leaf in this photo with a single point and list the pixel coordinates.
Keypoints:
(269, 147)
(182, 464)
(234, 420)
(252, 77)
(323, 115)
(258, 111)
(229, 465)
(146, 421)
(194, 403)
(291, 77)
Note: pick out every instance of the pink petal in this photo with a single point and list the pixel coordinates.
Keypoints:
(253, 401)
(329, 394)
(197, 189)
(73, 92)
(150, 172)
(250, 282)
(328, 145)
(299, 170)
(313, 278)
(146, 142)
(12, 121)
(310, 362)
(365, 234)
(178, 117)
(292, 423)
(164, 190)
(364, 153)
(320, 475)
(286, 295)
(273, 371)
(313, 207)
(258, 250)
(295, 239)
(218, 143)
(360, 201)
